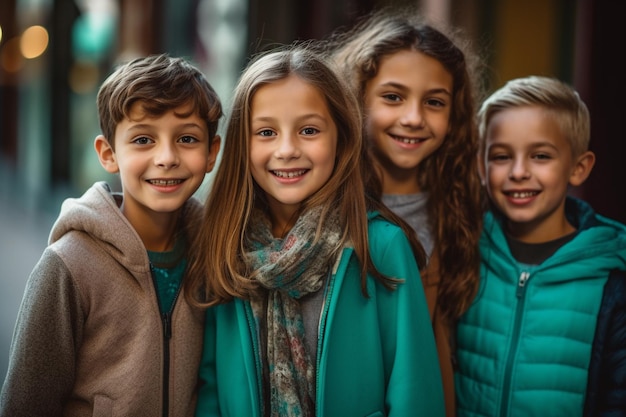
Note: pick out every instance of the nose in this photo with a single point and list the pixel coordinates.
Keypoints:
(287, 147)
(166, 155)
(412, 115)
(519, 169)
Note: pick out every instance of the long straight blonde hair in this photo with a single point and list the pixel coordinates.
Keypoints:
(217, 271)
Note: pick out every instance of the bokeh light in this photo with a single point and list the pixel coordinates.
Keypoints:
(34, 42)
(10, 57)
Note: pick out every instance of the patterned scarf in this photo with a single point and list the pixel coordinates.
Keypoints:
(290, 268)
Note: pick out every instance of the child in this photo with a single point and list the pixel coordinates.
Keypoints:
(102, 329)
(548, 304)
(319, 310)
(418, 103)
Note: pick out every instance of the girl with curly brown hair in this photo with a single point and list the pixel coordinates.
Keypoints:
(417, 95)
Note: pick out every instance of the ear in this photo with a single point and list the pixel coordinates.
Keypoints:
(582, 168)
(106, 154)
(214, 150)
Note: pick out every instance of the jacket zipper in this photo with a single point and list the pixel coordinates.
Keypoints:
(257, 355)
(167, 336)
(166, 321)
(520, 294)
(320, 335)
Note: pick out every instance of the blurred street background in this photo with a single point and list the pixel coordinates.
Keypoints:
(55, 53)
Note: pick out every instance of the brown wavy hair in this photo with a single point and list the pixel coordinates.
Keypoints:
(160, 83)
(450, 174)
(217, 271)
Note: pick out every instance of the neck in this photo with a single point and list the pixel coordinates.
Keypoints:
(539, 233)
(400, 181)
(158, 232)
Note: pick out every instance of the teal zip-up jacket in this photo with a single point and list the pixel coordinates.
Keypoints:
(376, 356)
(524, 346)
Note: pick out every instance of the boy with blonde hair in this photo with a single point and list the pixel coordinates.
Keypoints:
(103, 328)
(545, 335)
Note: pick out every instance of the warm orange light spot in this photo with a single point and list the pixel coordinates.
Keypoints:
(34, 42)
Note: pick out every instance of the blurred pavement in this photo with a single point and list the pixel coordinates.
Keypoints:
(23, 237)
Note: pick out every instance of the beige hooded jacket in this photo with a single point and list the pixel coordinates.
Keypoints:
(89, 339)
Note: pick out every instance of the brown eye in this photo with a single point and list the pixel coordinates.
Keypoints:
(188, 139)
(308, 131)
(142, 140)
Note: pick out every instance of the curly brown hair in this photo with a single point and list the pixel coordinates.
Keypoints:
(450, 174)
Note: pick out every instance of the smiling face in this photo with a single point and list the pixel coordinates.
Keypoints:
(407, 106)
(161, 161)
(293, 144)
(527, 167)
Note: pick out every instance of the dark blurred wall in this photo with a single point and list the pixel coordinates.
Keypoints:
(601, 79)
(8, 87)
(578, 41)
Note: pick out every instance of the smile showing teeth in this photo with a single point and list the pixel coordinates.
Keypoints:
(522, 194)
(408, 141)
(289, 174)
(165, 183)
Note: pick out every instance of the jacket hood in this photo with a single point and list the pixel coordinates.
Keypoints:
(97, 214)
(599, 243)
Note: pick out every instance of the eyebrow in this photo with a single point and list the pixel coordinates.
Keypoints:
(302, 118)
(405, 88)
(145, 126)
(532, 145)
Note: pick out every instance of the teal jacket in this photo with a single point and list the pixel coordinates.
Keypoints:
(524, 346)
(376, 356)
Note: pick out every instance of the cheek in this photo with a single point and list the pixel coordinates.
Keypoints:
(495, 174)
(378, 116)
(255, 167)
(257, 153)
(444, 126)
(326, 158)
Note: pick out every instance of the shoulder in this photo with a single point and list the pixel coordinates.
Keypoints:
(389, 246)
(383, 233)
(583, 216)
(380, 227)
(51, 262)
(50, 282)
(615, 289)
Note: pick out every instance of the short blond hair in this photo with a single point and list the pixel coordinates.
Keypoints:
(551, 94)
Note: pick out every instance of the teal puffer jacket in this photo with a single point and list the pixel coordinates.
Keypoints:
(376, 356)
(524, 345)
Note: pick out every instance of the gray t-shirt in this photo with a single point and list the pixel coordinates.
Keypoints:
(412, 208)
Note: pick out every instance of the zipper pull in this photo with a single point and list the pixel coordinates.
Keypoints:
(167, 326)
(521, 283)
